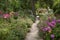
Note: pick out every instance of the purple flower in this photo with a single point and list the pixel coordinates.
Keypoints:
(58, 21)
(49, 18)
(46, 29)
(51, 24)
(52, 36)
(54, 20)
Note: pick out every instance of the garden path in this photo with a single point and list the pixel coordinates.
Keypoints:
(33, 34)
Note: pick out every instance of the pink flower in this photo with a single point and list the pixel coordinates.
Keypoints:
(6, 15)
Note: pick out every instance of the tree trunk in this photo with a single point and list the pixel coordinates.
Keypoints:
(33, 7)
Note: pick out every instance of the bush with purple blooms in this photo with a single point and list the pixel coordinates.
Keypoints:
(52, 30)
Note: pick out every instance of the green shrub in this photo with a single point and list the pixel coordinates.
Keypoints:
(14, 30)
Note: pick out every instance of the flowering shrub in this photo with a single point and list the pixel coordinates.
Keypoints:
(52, 30)
(14, 30)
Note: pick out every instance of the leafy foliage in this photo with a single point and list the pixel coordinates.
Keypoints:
(16, 26)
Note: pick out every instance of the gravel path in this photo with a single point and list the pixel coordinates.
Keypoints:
(33, 34)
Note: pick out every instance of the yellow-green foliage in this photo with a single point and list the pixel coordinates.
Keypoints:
(15, 30)
(56, 6)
